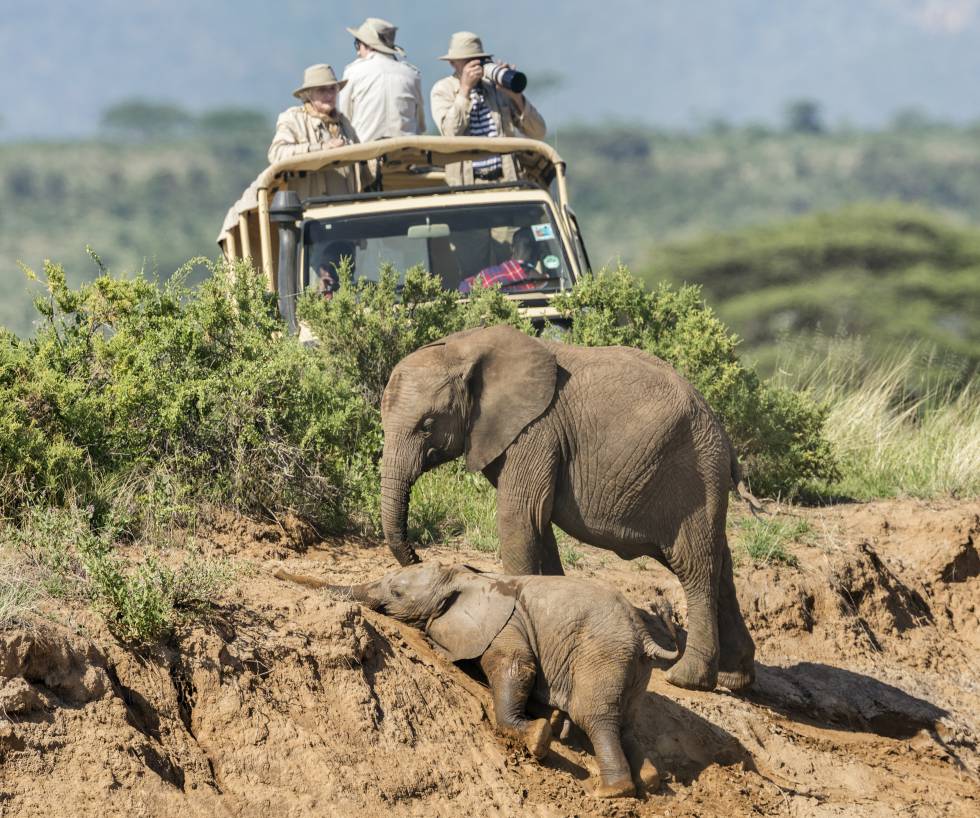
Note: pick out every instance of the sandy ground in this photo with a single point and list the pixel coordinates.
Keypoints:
(289, 702)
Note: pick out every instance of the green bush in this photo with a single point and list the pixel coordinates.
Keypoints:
(145, 401)
(178, 396)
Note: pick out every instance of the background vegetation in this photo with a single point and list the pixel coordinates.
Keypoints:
(723, 207)
(128, 404)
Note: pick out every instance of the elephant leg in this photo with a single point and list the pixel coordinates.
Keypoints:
(646, 776)
(695, 560)
(597, 705)
(510, 669)
(525, 494)
(736, 661)
(615, 775)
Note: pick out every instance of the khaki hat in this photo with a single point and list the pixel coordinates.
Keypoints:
(378, 34)
(316, 75)
(464, 45)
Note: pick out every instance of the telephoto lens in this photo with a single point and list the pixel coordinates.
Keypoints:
(510, 79)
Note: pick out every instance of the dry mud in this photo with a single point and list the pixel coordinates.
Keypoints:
(291, 703)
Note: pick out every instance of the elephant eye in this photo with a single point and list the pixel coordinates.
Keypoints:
(428, 423)
(396, 593)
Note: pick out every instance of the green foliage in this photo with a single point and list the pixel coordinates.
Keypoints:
(763, 541)
(449, 504)
(777, 432)
(143, 601)
(190, 394)
(570, 556)
(889, 273)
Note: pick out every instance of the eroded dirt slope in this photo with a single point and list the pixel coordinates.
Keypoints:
(293, 703)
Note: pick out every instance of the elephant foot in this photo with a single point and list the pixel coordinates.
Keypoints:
(537, 737)
(736, 679)
(693, 673)
(648, 776)
(619, 788)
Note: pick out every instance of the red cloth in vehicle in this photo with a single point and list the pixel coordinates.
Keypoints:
(512, 275)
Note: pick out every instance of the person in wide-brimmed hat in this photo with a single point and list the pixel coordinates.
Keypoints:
(384, 98)
(315, 125)
(467, 104)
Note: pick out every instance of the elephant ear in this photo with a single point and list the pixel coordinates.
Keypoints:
(511, 379)
(477, 610)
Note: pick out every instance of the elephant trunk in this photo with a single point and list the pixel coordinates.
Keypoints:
(396, 485)
(365, 593)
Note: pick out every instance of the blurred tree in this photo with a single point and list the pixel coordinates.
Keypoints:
(22, 182)
(803, 116)
(142, 119)
(911, 119)
(717, 126)
(231, 120)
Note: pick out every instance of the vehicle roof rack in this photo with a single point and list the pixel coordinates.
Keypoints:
(521, 184)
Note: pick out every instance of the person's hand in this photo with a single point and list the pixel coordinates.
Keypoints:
(336, 142)
(470, 76)
(327, 283)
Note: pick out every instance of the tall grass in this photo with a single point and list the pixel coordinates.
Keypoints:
(897, 431)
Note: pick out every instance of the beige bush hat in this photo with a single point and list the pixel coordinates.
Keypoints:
(378, 34)
(316, 75)
(464, 45)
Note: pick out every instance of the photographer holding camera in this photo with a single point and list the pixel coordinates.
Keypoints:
(482, 98)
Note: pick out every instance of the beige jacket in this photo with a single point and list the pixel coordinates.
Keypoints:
(452, 115)
(383, 97)
(298, 133)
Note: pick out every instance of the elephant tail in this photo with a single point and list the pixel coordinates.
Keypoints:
(650, 648)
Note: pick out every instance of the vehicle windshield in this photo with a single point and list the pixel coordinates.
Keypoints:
(515, 246)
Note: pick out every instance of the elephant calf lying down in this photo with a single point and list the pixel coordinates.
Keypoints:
(566, 643)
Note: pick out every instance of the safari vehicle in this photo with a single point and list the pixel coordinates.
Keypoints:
(403, 212)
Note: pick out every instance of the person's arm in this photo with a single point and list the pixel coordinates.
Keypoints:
(286, 142)
(450, 110)
(419, 103)
(526, 117)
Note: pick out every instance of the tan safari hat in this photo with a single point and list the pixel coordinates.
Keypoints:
(464, 45)
(316, 75)
(378, 34)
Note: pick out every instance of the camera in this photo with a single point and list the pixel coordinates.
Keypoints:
(508, 78)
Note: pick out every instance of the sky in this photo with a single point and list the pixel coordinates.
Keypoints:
(669, 63)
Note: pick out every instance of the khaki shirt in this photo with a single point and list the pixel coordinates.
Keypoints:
(452, 115)
(298, 133)
(382, 98)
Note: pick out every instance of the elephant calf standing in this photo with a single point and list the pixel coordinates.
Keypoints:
(567, 643)
(610, 444)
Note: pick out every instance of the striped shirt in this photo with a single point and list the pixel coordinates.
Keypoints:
(482, 124)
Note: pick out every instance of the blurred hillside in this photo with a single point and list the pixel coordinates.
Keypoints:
(895, 275)
(151, 197)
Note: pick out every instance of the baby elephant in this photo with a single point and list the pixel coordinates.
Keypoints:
(566, 643)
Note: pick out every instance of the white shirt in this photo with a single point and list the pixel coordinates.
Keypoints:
(383, 97)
